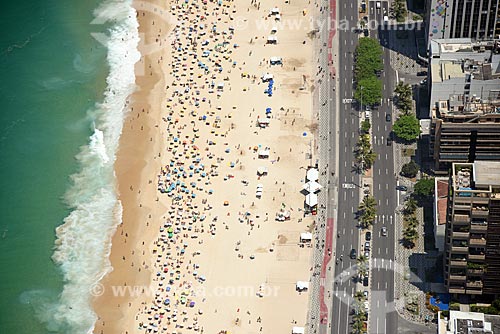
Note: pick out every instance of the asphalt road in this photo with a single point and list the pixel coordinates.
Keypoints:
(348, 179)
(383, 317)
(382, 248)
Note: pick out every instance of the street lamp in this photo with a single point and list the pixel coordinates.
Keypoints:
(361, 102)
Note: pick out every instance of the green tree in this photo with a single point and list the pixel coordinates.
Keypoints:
(410, 169)
(365, 126)
(364, 153)
(404, 97)
(368, 56)
(359, 295)
(398, 10)
(367, 211)
(407, 127)
(368, 90)
(411, 221)
(410, 235)
(410, 206)
(424, 187)
(362, 265)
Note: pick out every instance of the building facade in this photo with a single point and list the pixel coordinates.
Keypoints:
(476, 19)
(472, 239)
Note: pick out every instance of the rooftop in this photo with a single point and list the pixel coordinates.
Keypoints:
(465, 323)
(487, 173)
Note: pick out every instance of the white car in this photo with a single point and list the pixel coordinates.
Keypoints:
(378, 4)
(383, 231)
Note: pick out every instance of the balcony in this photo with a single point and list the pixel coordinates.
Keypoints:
(474, 291)
(476, 257)
(461, 219)
(456, 289)
(460, 235)
(475, 271)
(480, 213)
(481, 199)
(456, 277)
(478, 227)
(458, 263)
(477, 242)
(460, 249)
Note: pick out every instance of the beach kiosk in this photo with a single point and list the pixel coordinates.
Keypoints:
(298, 330)
(312, 174)
(301, 286)
(264, 154)
(312, 187)
(276, 61)
(312, 203)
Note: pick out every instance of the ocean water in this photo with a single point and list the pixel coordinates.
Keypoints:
(67, 69)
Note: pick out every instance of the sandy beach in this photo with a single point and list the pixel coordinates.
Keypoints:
(201, 183)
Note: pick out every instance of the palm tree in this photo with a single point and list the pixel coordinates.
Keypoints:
(360, 316)
(367, 210)
(410, 206)
(362, 265)
(411, 221)
(359, 295)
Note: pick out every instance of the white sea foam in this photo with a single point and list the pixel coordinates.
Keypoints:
(84, 240)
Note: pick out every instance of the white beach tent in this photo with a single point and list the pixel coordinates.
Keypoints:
(302, 286)
(267, 76)
(312, 200)
(305, 237)
(272, 39)
(262, 171)
(276, 61)
(298, 330)
(312, 174)
(274, 11)
(312, 186)
(264, 154)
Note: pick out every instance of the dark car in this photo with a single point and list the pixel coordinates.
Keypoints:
(389, 141)
(368, 236)
(402, 188)
(388, 117)
(422, 73)
(353, 254)
(366, 33)
(365, 281)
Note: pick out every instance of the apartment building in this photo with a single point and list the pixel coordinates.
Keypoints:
(464, 90)
(472, 240)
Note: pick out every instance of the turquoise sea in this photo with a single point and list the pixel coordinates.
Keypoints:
(62, 95)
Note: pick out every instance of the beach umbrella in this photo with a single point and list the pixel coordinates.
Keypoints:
(192, 304)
